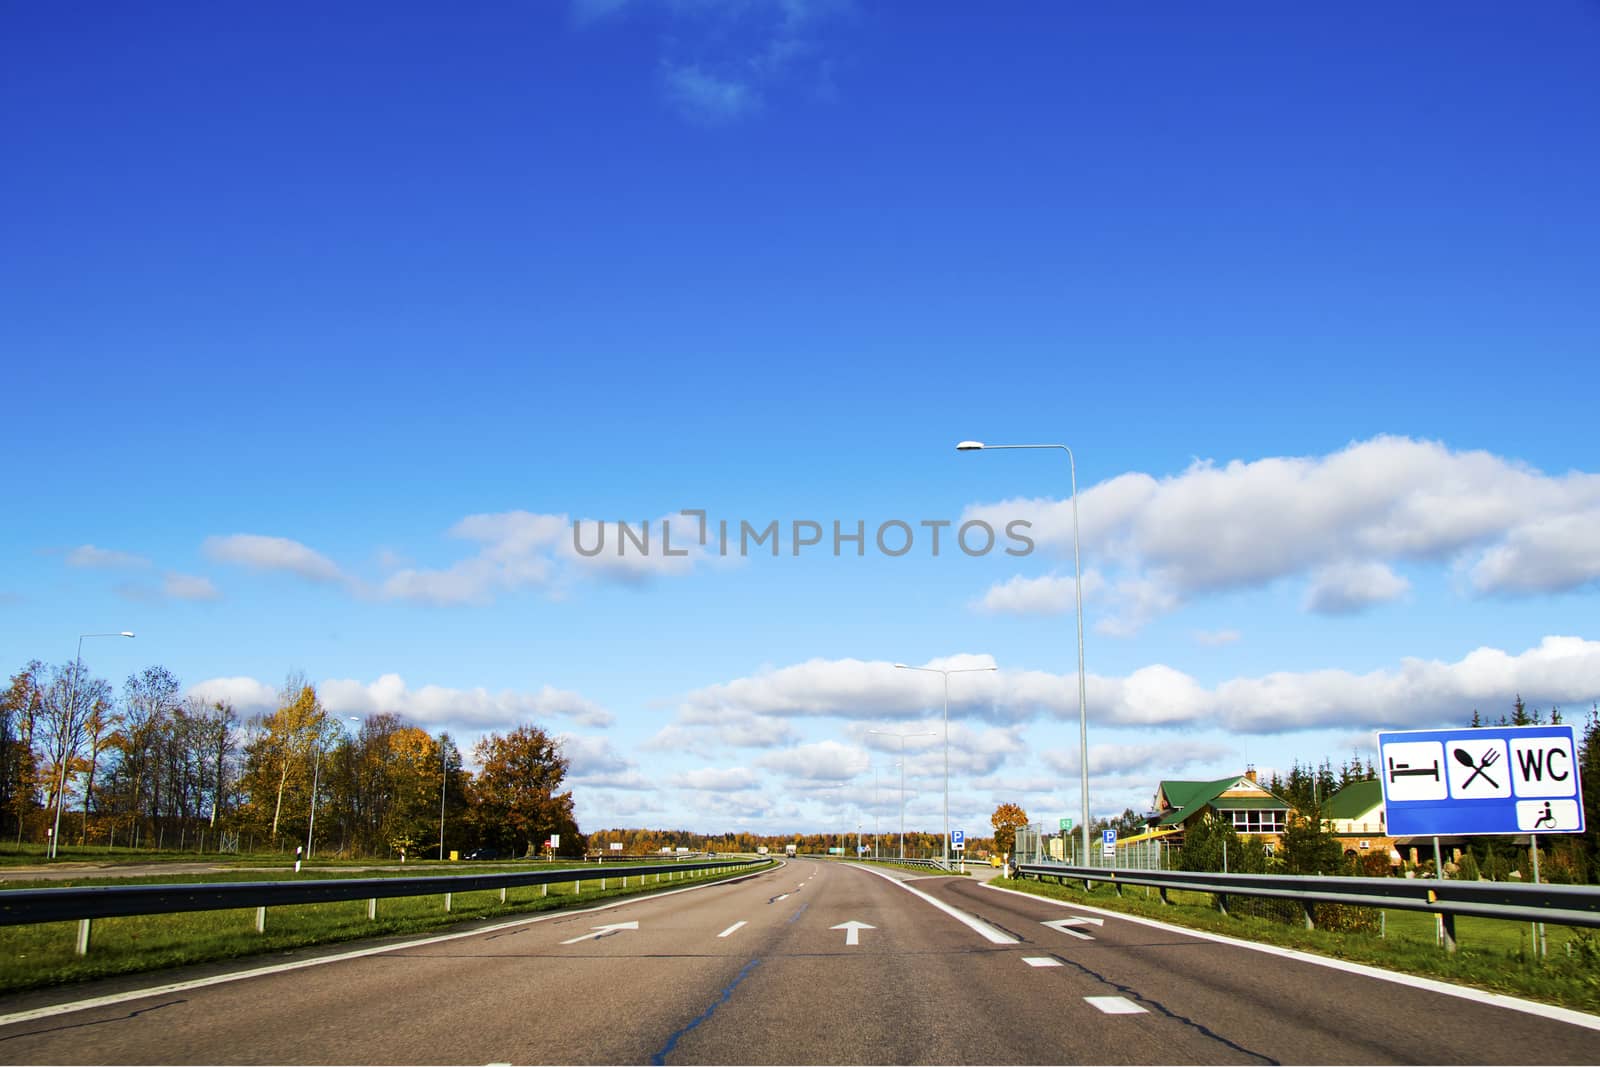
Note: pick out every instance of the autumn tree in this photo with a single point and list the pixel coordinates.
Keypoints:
(278, 759)
(517, 802)
(1007, 819)
(19, 706)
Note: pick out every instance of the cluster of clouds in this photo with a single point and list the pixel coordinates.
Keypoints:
(1417, 692)
(149, 584)
(741, 759)
(1341, 522)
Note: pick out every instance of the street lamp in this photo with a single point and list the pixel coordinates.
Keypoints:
(1083, 718)
(902, 737)
(316, 776)
(947, 672)
(66, 756)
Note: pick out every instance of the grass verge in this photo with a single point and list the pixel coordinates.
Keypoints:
(1493, 954)
(42, 954)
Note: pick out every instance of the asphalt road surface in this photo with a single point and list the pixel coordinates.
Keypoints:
(812, 962)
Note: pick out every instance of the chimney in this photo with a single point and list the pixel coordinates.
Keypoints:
(1250, 772)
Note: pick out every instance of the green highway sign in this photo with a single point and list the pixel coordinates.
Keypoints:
(1066, 824)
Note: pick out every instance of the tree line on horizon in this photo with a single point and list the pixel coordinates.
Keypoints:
(149, 768)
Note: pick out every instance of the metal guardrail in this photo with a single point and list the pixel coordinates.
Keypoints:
(932, 865)
(86, 903)
(1564, 905)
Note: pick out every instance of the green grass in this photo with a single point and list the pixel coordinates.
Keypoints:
(1492, 954)
(42, 954)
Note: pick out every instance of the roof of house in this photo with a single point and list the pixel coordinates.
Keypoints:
(1354, 800)
(1186, 798)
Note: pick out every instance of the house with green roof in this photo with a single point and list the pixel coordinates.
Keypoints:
(1240, 799)
(1355, 815)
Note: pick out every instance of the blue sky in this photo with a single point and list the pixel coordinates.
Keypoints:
(323, 327)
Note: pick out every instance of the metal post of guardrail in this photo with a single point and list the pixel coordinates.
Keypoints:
(83, 937)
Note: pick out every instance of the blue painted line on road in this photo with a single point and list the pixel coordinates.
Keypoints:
(672, 1042)
(797, 914)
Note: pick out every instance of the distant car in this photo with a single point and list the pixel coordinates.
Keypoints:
(483, 854)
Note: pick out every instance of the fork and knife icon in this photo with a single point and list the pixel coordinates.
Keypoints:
(1479, 767)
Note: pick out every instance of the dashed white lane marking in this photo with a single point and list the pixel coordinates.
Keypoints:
(1115, 1005)
(732, 928)
(774, 900)
(1041, 961)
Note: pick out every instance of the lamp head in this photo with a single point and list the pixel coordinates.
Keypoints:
(901, 666)
(126, 633)
(969, 446)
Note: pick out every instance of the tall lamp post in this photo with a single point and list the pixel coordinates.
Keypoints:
(902, 737)
(1077, 570)
(66, 756)
(947, 672)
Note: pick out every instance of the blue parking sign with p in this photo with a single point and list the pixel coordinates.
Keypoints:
(958, 840)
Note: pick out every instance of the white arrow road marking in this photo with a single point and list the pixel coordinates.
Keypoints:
(1065, 926)
(852, 931)
(602, 931)
(1116, 1005)
(732, 928)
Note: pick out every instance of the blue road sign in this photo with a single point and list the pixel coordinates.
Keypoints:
(958, 840)
(1492, 780)
(1108, 842)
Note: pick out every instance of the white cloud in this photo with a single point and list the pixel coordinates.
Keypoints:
(1548, 554)
(848, 688)
(701, 96)
(521, 550)
(1049, 595)
(824, 761)
(248, 696)
(1141, 761)
(110, 558)
(717, 779)
(259, 552)
(1386, 500)
(177, 586)
(1215, 638)
(1347, 588)
(463, 708)
(593, 763)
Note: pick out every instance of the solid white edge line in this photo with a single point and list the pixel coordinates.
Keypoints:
(732, 928)
(990, 934)
(278, 968)
(1432, 985)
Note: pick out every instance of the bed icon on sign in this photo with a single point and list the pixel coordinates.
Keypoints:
(1415, 770)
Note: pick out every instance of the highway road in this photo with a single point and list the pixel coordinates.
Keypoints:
(812, 962)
